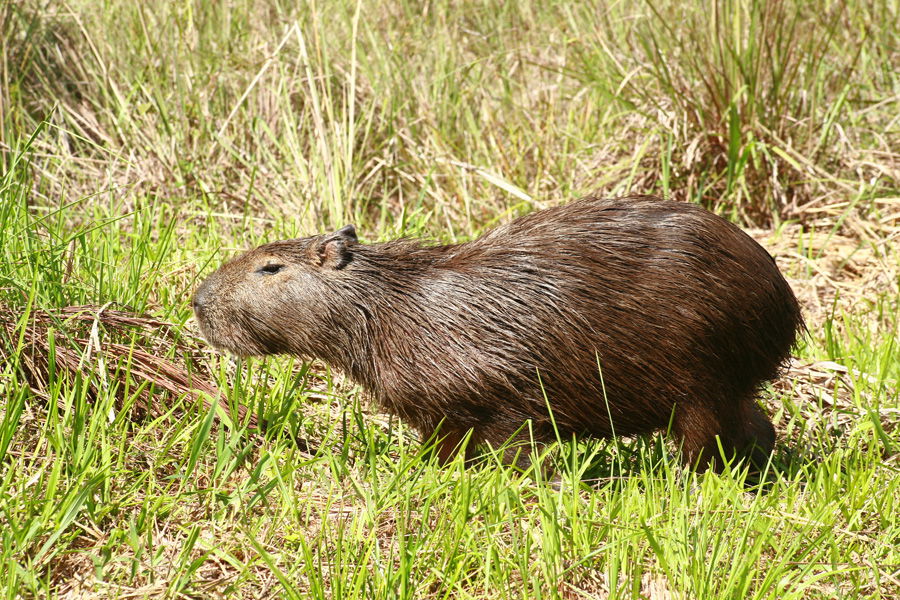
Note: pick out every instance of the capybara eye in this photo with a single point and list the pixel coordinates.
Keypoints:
(270, 269)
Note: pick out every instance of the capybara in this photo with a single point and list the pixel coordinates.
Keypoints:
(622, 316)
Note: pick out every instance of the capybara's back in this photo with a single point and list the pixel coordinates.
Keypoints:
(625, 316)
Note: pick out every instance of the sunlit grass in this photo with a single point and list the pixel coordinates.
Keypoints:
(142, 143)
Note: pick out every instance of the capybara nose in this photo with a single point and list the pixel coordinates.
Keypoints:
(201, 298)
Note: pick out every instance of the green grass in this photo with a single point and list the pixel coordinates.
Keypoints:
(142, 143)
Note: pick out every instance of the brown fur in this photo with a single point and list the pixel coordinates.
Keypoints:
(683, 314)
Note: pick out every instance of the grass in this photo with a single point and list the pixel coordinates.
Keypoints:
(140, 144)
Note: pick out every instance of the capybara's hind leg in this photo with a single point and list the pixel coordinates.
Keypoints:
(447, 442)
(710, 437)
(698, 428)
(759, 434)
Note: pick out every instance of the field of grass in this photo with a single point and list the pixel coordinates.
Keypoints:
(143, 143)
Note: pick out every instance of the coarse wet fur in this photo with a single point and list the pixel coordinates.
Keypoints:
(625, 316)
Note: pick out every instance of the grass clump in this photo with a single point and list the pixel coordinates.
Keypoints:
(140, 144)
(750, 99)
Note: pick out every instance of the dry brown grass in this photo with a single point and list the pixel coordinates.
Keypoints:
(158, 362)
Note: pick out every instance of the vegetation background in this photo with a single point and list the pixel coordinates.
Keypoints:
(141, 143)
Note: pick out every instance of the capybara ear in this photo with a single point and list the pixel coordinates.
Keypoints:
(334, 251)
(347, 232)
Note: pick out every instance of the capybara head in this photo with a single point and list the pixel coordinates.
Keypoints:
(249, 306)
(599, 317)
